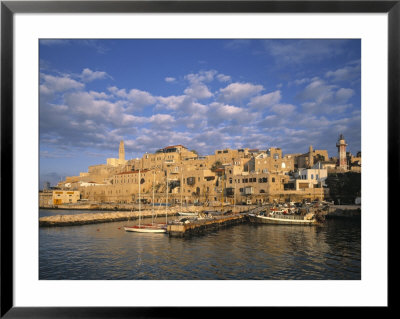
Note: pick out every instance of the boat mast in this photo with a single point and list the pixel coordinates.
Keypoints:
(181, 185)
(139, 199)
(234, 198)
(166, 204)
(152, 211)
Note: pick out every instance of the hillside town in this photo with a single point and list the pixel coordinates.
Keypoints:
(227, 177)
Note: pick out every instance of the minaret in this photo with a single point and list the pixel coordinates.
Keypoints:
(310, 157)
(341, 145)
(121, 153)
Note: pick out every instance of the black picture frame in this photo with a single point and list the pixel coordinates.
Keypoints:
(9, 8)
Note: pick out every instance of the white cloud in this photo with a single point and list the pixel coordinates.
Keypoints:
(197, 89)
(220, 112)
(223, 78)
(137, 98)
(283, 109)
(347, 73)
(88, 75)
(301, 51)
(321, 97)
(53, 84)
(265, 100)
(84, 104)
(170, 79)
(342, 95)
(99, 95)
(162, 119)
(239, 91)
(172, 102)
(202, 76)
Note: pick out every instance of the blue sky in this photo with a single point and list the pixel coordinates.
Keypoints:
(204, 94)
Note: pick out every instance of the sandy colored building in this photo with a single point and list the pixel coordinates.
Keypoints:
(308, 159)
(65, 197)
(265, 162)
(45, 198)
(240, 176)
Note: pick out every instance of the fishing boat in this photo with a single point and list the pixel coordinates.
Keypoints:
(286, 219)
(148, 228)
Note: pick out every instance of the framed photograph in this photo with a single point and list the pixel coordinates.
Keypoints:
(159, 156)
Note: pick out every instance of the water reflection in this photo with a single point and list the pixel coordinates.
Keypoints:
(106, 251)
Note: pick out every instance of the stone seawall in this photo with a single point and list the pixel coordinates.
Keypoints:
(344, 211)
(93, 218)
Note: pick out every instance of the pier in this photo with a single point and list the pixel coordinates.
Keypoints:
(100, 217)
(199, 226)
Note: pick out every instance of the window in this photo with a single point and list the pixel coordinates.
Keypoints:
(273, 179)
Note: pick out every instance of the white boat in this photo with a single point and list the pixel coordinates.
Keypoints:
(147, 228)
(187, 214)
(288, 219)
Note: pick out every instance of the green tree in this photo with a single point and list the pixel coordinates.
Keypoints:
(216, 165)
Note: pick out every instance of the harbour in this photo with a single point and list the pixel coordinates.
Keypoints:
(240, 251)
(207, 171)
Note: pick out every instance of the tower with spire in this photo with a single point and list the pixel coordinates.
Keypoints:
(341, 145)
(121, 153)
(310, 156)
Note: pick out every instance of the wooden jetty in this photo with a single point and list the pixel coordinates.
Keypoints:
(202, 225)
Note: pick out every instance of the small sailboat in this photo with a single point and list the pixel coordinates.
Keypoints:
(147, 228)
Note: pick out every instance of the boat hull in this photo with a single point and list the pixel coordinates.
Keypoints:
(146, 229)
(187, 214)
(282, 221)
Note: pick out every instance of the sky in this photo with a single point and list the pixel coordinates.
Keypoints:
(203, 94)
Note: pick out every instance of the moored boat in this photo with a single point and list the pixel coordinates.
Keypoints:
(187, 214)
(150, 228)
(286, 219)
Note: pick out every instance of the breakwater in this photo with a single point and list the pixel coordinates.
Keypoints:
(100, 217)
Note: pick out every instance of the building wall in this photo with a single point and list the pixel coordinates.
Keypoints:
(266, 163)
(65, 197)
(45, 199)
(303, 160)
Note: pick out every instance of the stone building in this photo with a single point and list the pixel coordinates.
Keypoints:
(65, 197)
(308, 159)
(228, 175)
(265, 162)
(46, 198)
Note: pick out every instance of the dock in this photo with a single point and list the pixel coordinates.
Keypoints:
(202, 225)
